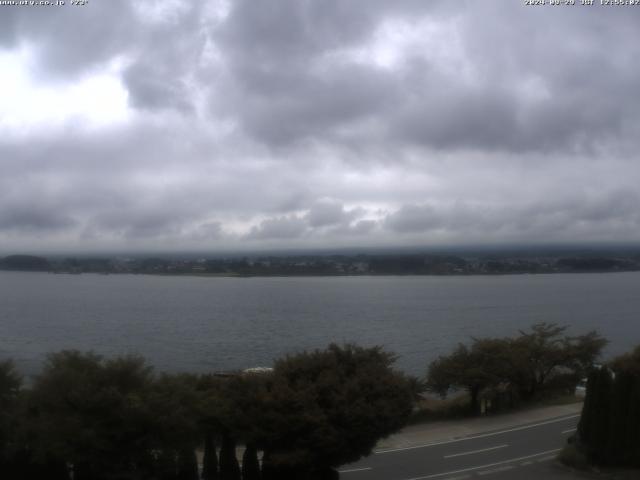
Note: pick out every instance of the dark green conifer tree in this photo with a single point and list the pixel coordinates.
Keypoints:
(24, 466)
(633, 426)
(10, 384)
(609, 429)
(617, 449)
(187, 464)
(210, 458)
(267, 470)
(601, 417)
(250, 464)
(166, 465)
(229, 468)
(585, 426)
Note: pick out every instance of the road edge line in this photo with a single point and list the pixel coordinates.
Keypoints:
(473, 437)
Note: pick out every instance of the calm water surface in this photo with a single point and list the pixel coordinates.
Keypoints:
(201, 324)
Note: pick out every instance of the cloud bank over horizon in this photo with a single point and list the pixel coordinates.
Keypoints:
(167, 125)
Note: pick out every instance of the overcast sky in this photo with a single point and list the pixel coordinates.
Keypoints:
(260, 124)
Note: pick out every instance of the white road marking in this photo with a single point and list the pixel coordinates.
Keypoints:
(351, 470)
(475, 451)
(546, 459)
(569, 430)
(489, 465)
(484, 435)
(528, 462)
(496, 470)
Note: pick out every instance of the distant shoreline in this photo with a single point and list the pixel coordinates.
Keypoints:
(321, 275)
(337, 265)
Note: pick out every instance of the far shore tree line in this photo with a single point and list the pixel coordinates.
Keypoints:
(461, 263)
(89, 418)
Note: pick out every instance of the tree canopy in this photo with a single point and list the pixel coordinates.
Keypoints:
(535, 361)
(482, 365)
(93, 413)
(330, 407)
(93, 418)
(10, 383)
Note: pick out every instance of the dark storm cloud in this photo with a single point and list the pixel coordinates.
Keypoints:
(68, 41)
(279, 228)
(147, 223)
(293, 30)
(159, 76)
(8, 27)
(558, 88)
(208, 231)
(561, 87)
(150, 89)
(281, 94)
(299, 121)
(32, 219)
(312, 105)
(281, 76)
(610, 216)
(414, 218)
(148, 182)
(363, 227)
(327, 213)
(160, 46)
(324, 219)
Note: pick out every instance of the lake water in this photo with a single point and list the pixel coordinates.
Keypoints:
(204, 324)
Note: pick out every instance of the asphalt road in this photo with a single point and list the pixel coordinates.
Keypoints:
(522, 452)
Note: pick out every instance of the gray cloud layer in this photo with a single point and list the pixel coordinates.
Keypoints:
(307, 123)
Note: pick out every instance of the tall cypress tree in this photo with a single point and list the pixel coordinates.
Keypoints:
(229, 468)
(627, 369)
(601, 417)
(617, 448)
(633, 424)
(46, 469)
(166, 466)
(585, 426)
(210, 458)
(267, 471)
(250, 464)
(609, 428)
(187, 464)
